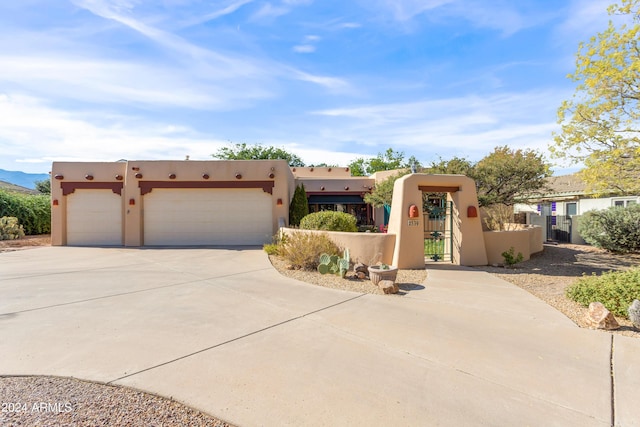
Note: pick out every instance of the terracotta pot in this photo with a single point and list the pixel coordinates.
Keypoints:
(376, 274)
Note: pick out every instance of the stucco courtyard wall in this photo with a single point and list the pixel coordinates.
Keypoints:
(525, 240)
(367, 248)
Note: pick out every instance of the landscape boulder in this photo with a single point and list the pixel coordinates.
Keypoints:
(360, 268)
(599, 317)
(634, 313)
(388, 286)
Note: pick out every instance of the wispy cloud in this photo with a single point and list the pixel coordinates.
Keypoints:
(218, 13)
(304, 48)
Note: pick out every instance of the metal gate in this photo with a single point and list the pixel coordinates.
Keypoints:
(438, 226)
(559, 228)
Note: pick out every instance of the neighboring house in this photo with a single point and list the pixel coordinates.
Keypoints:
(559, 209)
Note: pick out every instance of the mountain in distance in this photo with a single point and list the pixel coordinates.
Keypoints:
(22, 179)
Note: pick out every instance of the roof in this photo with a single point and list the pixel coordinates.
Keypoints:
(566, 184)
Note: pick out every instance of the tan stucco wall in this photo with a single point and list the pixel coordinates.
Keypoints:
(367, 248)
(359, 185)
(525, 240)
(468, 241)
(184, 170)
(77, 172)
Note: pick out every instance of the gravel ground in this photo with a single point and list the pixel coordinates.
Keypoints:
(53, 401)
(548, 273)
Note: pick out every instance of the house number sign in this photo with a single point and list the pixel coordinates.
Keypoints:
(413, 223)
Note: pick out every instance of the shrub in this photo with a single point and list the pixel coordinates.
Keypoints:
(498, 217)
(32, 211)
(10, 229)
(299, 207)
(615, 290)
(510, 257)
(616, 229)
(303, 250)
(329, 221)
(274, 248)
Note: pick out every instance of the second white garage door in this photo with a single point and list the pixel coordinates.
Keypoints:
(186, 217)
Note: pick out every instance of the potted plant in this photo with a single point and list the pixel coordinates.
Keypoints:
(382, 272)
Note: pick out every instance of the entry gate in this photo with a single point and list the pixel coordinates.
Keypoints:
(559, 228)
(438, 226)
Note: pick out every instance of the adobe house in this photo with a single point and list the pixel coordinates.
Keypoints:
(190, 203)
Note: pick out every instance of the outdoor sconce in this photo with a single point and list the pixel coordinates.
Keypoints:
(119, 177)
(413, 211)
(58, 176)
(238, 175)
(172, 176)
(271, 175)
(138, 175)
(472, 212)
(132, 202)
(279, 202)
(205, 176)
(346, 188)
(55, 202)
(88, 177)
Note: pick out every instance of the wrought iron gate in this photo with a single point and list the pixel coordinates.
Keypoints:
(438, 226)
(559, 228)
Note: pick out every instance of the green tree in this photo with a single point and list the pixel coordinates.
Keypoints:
(43, 186)
(455, 166)
(600, 124)
(382, 193)
(257, 152)
(389, 160)
(507, 177)
(299, 207)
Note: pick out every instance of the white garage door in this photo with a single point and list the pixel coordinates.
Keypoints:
(94, 218)
(209, 216)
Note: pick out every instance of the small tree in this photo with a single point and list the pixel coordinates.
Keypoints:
(383, 192)
(509, 176)
(389, 160)
(299, 207)
(43, 186)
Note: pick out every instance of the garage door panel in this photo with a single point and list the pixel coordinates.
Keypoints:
(207, 217)
(94, 218)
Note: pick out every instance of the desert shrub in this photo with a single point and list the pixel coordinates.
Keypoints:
(329, 221)
(303, 250)
(498, 217)
(615, 290)
(10, 229)
(616, 229)
(32, 211)
(510, 257)
(275, 247)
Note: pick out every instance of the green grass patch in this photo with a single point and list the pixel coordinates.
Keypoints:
(615, 290)
(432, 247)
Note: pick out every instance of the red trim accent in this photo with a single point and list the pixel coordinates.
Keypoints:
(70, 187)
(147, 186)
(335, 193)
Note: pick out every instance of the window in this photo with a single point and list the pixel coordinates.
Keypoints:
(571, 209)
(623, 203)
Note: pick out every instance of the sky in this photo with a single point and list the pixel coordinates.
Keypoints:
(328, 80)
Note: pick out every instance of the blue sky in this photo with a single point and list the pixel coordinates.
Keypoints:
(102, 80)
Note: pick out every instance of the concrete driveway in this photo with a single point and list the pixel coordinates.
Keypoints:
(222, 331)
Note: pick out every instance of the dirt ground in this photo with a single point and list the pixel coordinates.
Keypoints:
(25, 243)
